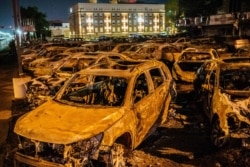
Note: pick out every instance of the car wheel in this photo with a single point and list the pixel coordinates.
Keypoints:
(117, 155)
(218, 137)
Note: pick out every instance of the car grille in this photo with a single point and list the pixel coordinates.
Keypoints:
(42, 150)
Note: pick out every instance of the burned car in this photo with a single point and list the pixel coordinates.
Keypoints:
(224, 94)
(243, 51)
(76, 63)
(120, 47)
(83, 60)
(97, 116)
(185, 67)
(40, 89)
(157, 51)
(46, 52)
(46, 66)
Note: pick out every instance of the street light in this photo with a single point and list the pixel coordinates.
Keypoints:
(17, 19)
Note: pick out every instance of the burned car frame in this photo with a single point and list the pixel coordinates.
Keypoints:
(185, 67)
(225, 97)
(96, 115)
(39, 89)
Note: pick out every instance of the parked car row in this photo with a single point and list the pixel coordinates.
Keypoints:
(96, 115)
(103, 103)
(185, 67)
(223, 92)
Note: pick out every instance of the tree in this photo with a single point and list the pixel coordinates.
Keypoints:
(38, 18)
(172, 11)
(193, 8)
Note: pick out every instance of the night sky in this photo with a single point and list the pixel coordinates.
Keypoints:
(54, 9)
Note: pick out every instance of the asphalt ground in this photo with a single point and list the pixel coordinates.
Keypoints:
(8, 71)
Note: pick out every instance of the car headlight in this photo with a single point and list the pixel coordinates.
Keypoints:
(26, 146)
(86, 147)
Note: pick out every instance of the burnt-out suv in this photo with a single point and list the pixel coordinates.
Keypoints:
(223, 88)
(97, 115)
(185, 67)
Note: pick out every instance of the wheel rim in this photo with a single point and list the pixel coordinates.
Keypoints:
(117, 155)
(218, 136)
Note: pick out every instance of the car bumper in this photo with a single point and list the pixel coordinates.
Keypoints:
(24, 159)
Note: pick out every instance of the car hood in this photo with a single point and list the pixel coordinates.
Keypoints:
(54, 122)
(39, 61)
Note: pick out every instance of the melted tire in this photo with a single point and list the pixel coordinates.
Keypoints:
(117, 158)
(218, 137)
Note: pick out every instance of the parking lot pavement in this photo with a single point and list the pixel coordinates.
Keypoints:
(5, 116)
(8, 70)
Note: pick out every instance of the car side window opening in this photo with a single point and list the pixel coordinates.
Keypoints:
(196, 56)
(157, 77)
(235, 80)
(140, 89)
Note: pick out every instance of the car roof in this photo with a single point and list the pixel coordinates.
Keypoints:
(85, 54)
(230, 60)
(198, 49)
(236, 59)
(125, 68)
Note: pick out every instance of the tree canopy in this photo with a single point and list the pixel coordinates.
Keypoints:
(38, 18)
(192, 8)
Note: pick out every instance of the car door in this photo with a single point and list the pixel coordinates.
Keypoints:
(144, 106)
(161, 86)
(208, 88)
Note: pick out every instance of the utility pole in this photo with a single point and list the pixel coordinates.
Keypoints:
(17, 22)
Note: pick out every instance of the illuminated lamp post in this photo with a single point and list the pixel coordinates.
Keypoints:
(18, 83)
(17, 20)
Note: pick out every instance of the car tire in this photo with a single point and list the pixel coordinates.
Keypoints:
(218, 137)
(117, 158)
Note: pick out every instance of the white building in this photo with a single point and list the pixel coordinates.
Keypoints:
(59, 28)
(112, 19)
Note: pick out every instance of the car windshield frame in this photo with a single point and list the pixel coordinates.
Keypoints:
(94, 90)
(231, 78)
(195, 56)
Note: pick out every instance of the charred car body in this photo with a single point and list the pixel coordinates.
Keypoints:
(96, 115)
(46, 52)
(151, 50)
(224, 90)
(242, 52)
(185, 67)
(83, 60)
(40, 89)
(47, 66)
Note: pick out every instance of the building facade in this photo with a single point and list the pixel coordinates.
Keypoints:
(59, 28)
(89, 20)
